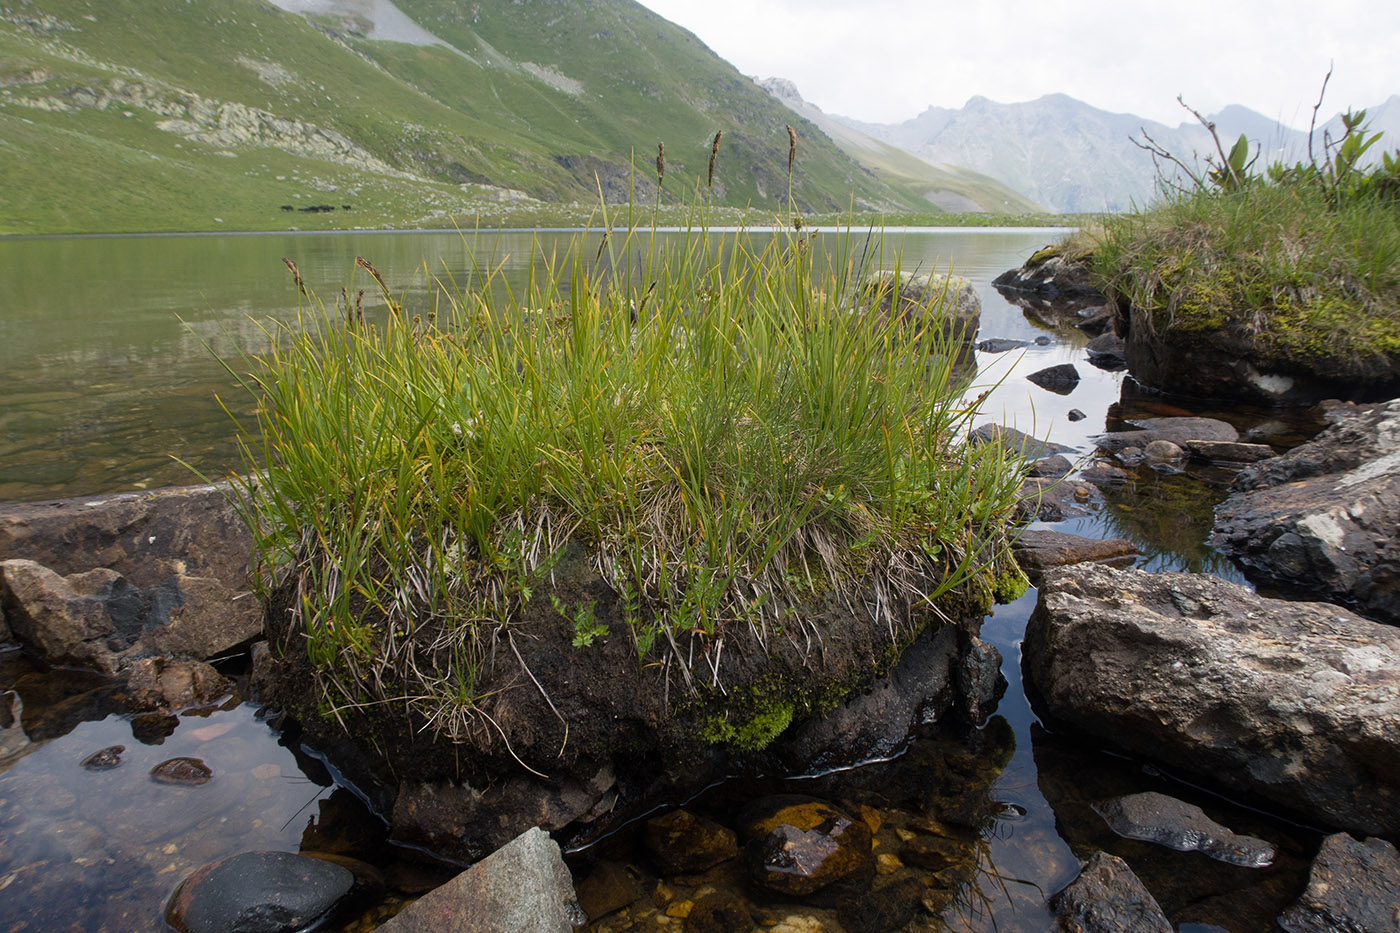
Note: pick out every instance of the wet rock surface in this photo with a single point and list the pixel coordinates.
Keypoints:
(1298, 703)
(1040, 549)
(1354, 886)
(1017, 443)
(1324, 516)
(523, 887)
(1051, 277)
(163, 684)
(1166, 821)
(127, 574)
(468, 823)
(877, 722)
(681, 842)
(182, 771)
(1062, 379)
(1054, 500)
(798, 845)
(258, 892)
(1178, 430)
(1106, 351)
(1108, 898)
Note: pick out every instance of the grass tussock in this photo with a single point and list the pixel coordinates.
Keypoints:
(1314, 278)
(726, 428)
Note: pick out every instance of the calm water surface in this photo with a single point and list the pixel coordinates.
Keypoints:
(108, 354)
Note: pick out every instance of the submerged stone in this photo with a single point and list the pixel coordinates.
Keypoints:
(1154, 817)
(797, 845)
(105, 759)
(258, 892)
(188, 771)
(682, 843)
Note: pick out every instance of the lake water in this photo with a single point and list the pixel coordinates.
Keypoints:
(109, 380)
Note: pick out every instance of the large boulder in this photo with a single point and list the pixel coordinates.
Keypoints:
(1354, 886)
(1298, 703)
(1108, 898)
(1051, 275)
(524, 887)
(1324, 516)
(911, 296)
(98, 580)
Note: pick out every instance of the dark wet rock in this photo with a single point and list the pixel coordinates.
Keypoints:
(890, 907)
(1017, 443)
(1104, 474)
(1001, 345)
(467, 823)
(608, 887)
(1054, 500)
(186, 771)
(1060, 379)
(1106, 352)
(258, 892)
(172, 575)
(1166, 821)
(523, 887)
(1107, 898)
(1354, 888)
(1180, 431)
(1051, 467)
(153, 728)
(1324, 516)
(1075, 414)
(1095, 320)
(1298, 703)
(162, 683)
(934, 853)
(1229, 452)
(1240, 362)
(957, 307)
(1051, 277)
(877, 722)
(682, 843)
(719, 912)
(797, 846)
(1038, 549)
(104, 759)
(260, 678)
(1131, 456)
(1163, 452)
(979, 681)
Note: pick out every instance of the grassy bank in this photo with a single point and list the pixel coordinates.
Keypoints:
(726, 430)
(1303, 261)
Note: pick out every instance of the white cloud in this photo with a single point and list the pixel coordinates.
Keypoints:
(886, 60)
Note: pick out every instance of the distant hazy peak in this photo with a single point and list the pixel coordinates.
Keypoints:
(783, 89)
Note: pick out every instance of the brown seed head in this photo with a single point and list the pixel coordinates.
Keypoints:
(660, 163)
(295, 275)
(792, 148)
(714, 151)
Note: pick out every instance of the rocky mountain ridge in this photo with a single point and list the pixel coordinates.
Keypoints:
(1073, 157)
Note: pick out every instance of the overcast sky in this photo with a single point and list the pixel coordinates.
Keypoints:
(887, 60)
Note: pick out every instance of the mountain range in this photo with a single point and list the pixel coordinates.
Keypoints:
(141, 115)
(1072, 157)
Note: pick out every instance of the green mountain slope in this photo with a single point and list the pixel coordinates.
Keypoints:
(139, 115)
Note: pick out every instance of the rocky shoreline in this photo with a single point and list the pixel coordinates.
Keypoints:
(1291, 705)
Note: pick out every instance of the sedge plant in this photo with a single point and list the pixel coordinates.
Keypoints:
(726, 424)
